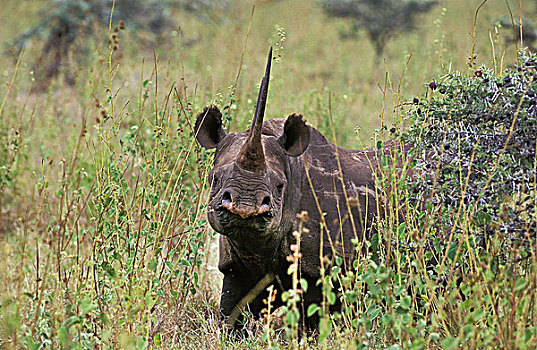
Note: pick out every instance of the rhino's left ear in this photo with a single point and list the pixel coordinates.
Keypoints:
(296, 135)
(208, 129)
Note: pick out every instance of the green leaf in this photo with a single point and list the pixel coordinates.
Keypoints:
(104, 318)
(418, 344)
(142, 343)
(185, 262)
(331, 298)
(292, 317)
(325, 327)
(401, 229)
(157, 339)
(29, 343)
(63, 335)
(374, 242)
(134, 310)
(386, 319)
(152, 264)
(304, 284)
(452, 251)
(450, 343)
(109, 269)
(405, 302)
(435, 336)
(312, 309)
(71, 321)
(379, 144)
(401, 311)
(351, 296)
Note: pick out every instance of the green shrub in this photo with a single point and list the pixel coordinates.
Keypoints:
(478, 134)
(462, 261)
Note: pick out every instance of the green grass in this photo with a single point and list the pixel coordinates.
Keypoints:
(103, 235)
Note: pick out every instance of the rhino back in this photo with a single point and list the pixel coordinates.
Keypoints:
(343, 192)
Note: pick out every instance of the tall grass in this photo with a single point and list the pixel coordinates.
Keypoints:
(102, 192)
(116, 223)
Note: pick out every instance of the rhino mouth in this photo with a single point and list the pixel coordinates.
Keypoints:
(230, 220)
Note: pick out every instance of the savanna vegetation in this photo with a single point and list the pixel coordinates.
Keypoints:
(103, 236)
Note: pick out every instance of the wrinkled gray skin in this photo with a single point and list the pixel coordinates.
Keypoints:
(259, 186)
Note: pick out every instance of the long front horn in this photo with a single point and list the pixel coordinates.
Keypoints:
(251, 156)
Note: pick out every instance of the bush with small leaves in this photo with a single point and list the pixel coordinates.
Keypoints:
(478, 134)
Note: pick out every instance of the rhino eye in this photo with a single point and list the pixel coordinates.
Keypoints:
(215, 180)
(279, 187)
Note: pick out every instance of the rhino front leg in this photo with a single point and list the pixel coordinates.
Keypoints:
(251, 299)
(234, 289)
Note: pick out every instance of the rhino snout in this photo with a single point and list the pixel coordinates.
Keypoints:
(245, 209)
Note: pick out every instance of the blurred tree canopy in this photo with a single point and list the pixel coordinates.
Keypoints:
(380, 19)
(67, 25)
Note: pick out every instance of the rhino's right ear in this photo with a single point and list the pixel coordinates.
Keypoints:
(208, 129)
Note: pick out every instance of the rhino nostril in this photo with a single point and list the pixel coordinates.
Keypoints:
(265, 204)
(226, 199)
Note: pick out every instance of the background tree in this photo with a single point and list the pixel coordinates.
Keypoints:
(66, 26)
(380, 19)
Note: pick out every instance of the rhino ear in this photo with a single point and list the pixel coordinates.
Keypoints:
(296, 135)
(208, 129)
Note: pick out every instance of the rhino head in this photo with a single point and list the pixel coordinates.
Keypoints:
(256, 176)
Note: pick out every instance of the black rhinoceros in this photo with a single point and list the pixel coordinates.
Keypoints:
(261, 179)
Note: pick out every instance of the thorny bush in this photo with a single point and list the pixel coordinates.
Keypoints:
(475, 140)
